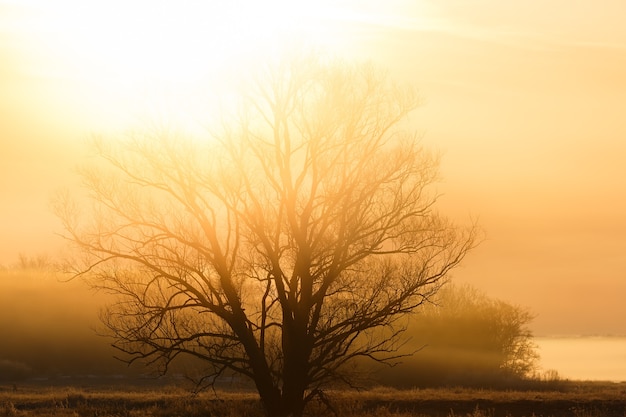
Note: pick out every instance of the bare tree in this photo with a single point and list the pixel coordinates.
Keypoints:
(281, 249)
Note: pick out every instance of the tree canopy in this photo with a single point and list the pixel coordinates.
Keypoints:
(287, 244)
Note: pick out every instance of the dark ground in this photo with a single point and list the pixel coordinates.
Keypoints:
(569, 399)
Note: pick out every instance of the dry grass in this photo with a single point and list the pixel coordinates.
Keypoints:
(572, 400)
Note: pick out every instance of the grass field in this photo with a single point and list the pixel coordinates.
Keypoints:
(577, 399)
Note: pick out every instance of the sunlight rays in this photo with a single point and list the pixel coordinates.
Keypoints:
(143, 59)
(166, 41)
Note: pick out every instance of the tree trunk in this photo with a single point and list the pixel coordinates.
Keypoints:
(289, 404)
(293, 394)
(274, 407)
(296, 351)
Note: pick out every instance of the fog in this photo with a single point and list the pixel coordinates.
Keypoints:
(49, 328)
(524, 101)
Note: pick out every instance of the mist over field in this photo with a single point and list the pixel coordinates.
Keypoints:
(49, 328)
(50, 331)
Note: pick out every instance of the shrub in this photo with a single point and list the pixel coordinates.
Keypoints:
(467, 338)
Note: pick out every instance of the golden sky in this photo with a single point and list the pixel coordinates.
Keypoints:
(525, 100)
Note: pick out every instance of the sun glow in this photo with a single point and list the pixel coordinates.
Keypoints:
(170, 40)
(132, 57)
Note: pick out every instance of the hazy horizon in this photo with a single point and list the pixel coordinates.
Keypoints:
(76, 350)
(524, 101)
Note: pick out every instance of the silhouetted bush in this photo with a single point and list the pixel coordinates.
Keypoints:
(468, 339)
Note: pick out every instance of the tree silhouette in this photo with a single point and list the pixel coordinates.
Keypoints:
(289, 244)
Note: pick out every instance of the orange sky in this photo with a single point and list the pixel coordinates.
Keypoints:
(524, 99)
